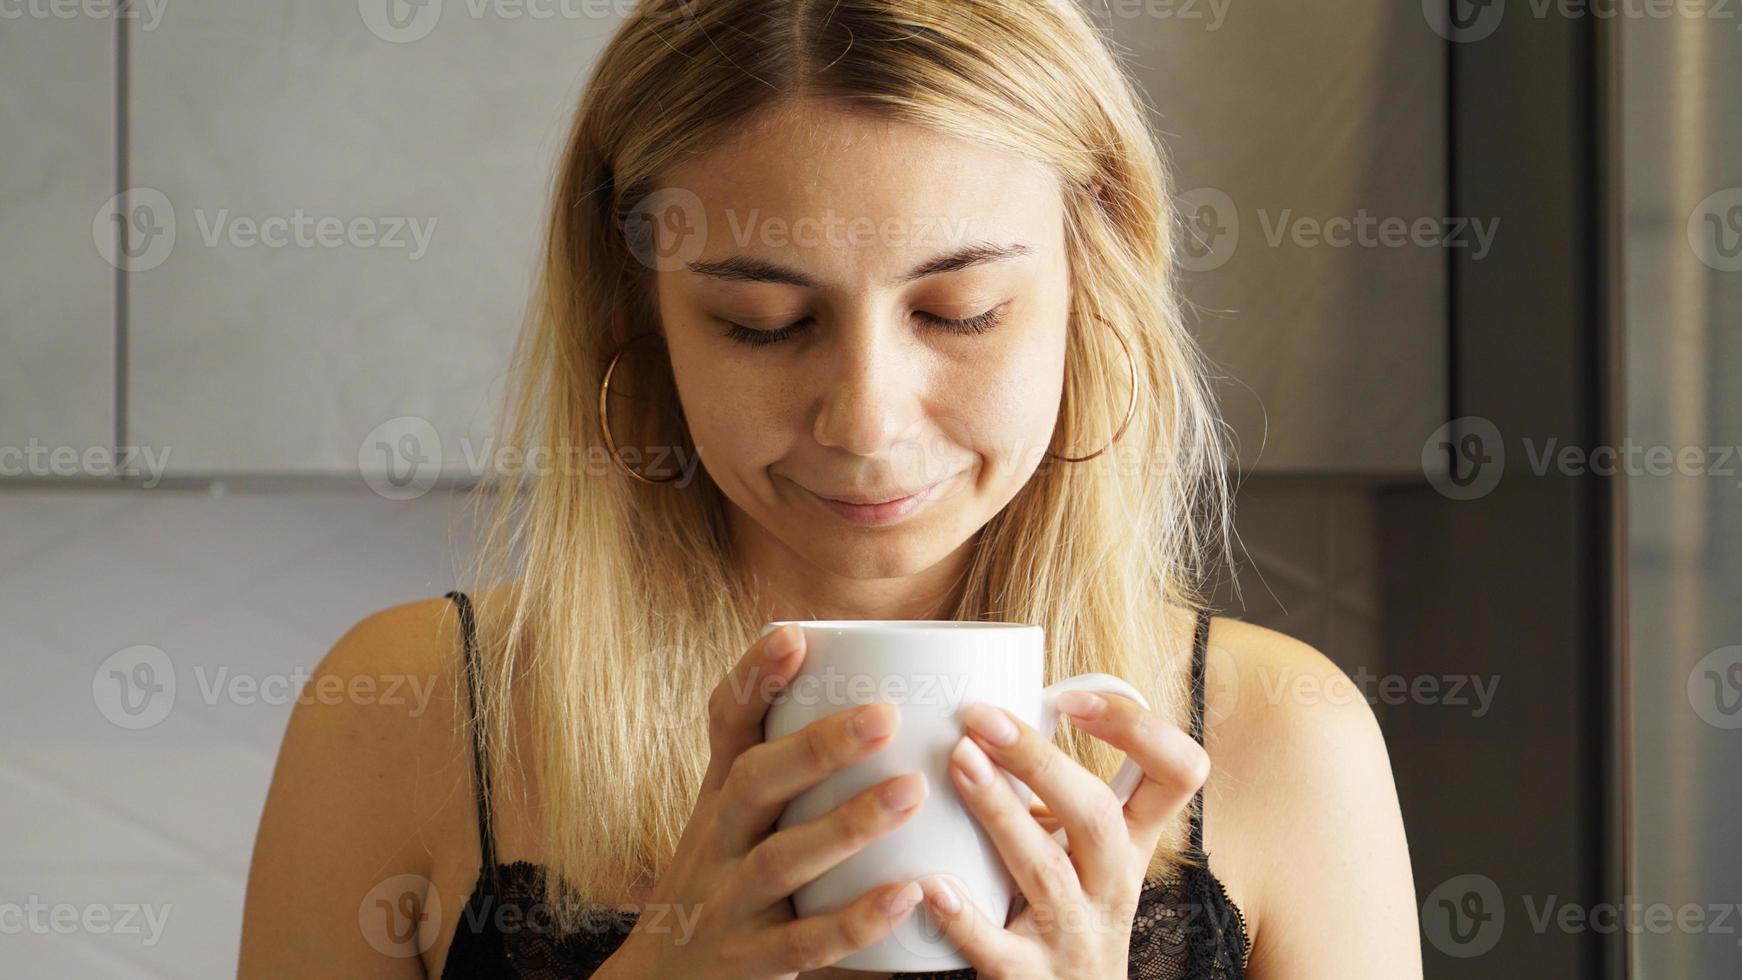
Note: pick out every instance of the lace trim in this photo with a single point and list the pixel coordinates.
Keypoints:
(1181, 931)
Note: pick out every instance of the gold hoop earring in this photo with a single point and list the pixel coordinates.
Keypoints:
(1130, 406)
(605, 416)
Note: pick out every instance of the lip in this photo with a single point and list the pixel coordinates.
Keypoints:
(866, 500)
(882, 513)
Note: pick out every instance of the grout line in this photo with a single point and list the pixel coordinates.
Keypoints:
(122, 121)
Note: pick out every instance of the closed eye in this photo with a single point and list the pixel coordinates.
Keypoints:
(977, 324)
(751, 337)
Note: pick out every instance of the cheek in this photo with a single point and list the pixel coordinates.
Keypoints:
(1024, 409)
(1009, 400)
(738, 423)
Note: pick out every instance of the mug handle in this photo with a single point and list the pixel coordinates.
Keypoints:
(1125, 781)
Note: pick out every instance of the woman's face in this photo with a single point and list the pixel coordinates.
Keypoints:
(875, 310)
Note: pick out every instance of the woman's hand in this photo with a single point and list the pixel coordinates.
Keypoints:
(1080, 903)
(723, 906)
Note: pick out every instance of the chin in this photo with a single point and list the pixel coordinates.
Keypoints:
(890, 553)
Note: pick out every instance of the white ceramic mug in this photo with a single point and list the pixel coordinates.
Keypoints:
(929, 669)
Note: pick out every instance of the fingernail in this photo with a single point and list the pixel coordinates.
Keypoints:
(783, 642)
(899, 795)
(870, 724)
(991, 723)
(971, 759)
(900, 901)
(942, 896)
(1082, 704)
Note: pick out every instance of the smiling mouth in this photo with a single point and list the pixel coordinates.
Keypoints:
(869, 500)
(876, 513)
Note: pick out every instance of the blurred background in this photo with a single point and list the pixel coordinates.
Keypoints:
(1471, 271)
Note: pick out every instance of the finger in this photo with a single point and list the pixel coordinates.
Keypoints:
(816, 941)
(1039, 864)
(766, 777)
(740, 701)
(993, 950)
(1100, 842)
(782, 862)
(1174, 764)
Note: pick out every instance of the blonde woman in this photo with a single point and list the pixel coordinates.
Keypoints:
(867, 309)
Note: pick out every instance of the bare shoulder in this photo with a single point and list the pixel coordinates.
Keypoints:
(369, 788)
(1301, 813)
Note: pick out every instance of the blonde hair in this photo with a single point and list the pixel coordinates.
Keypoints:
(628, 607)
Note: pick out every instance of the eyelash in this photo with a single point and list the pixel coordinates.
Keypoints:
(971, 325)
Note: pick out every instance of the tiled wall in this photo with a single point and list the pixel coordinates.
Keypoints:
(1308, 564)
(249, 582)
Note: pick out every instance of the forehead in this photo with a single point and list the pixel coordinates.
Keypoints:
(877, 190)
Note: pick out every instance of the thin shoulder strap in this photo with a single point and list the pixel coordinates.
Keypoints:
(481, 772)
(1200, 645)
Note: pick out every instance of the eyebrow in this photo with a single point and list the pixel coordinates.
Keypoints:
(746, 268)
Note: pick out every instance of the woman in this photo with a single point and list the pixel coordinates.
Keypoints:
(868, 308)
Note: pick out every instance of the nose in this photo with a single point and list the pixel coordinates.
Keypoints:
(868, 389)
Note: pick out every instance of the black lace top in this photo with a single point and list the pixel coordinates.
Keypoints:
(1186, 927)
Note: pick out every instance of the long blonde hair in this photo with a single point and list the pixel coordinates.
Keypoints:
(628, 607)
